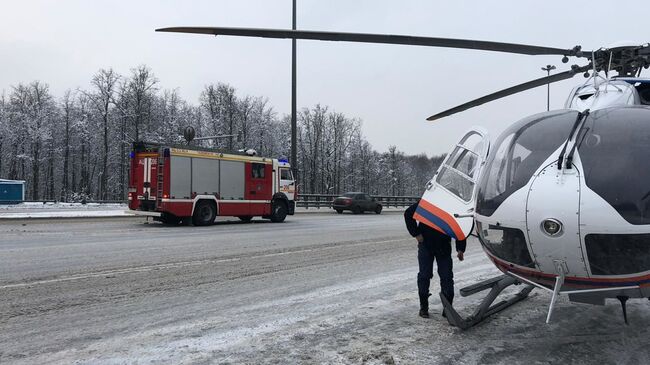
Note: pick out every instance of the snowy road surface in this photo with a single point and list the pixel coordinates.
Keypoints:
(320, 288)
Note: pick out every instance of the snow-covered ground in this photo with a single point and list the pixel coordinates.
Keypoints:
(61, 210)
(320, 288)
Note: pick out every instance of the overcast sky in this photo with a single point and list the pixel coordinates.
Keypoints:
(391, 88)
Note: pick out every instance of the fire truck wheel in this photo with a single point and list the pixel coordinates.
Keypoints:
(245, 218)
(278, 211)
(204, 213)
(339, 211)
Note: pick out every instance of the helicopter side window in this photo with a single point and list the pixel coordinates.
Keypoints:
(456, 183)
(520, 151)
(457, 174)
(614, 154)
(466, 163)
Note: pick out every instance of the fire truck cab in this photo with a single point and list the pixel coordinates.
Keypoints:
(174, 183)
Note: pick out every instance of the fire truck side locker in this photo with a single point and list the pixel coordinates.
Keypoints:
(231, 195)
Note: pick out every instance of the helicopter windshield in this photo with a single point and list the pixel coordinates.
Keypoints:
(614, 155)
(519, 152)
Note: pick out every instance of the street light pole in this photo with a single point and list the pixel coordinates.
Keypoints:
(548, 69)
(294, 152)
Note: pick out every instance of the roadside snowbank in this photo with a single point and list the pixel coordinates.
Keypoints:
(62, 210)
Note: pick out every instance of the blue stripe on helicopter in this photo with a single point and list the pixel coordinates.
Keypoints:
(437, 221)
(633, 80)
(607, 283)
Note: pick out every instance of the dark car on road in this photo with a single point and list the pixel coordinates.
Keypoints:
(357, 202)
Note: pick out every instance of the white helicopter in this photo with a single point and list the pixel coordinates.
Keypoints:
(561, 201)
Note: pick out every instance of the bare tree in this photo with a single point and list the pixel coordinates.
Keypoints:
(67, 106)
(104, 83)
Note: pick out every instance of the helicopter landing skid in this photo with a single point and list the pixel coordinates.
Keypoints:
(486, 308)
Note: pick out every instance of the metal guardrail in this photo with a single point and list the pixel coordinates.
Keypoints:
(325, 200)
(307, 201)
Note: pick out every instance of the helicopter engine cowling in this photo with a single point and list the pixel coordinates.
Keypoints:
(604, 94)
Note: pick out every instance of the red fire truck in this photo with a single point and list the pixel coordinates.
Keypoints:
(176, 183)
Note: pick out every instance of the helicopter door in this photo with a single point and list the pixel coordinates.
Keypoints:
(553, 221)
(448, 201)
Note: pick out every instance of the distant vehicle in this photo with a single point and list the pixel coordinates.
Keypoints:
(176, 183)
(357, 203)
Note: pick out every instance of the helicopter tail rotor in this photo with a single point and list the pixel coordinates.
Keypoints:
(575, 69)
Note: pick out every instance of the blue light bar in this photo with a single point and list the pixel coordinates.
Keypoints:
(132, 154)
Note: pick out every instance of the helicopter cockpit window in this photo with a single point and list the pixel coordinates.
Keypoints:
(614, 154)
(520, 151)
(457, 174)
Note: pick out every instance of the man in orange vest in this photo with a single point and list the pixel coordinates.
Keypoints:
(433, 245)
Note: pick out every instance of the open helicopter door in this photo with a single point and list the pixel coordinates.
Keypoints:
(448, 206)
(448, 201)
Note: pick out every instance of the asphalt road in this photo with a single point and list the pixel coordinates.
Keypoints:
(319, 288)
(69, 286)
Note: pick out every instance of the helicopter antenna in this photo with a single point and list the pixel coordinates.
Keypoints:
(593, 77)
(609, 65)
(594, 72)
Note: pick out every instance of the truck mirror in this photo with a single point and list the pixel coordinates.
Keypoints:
(189, 133)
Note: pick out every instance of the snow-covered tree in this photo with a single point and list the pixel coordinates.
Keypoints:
(76, 146)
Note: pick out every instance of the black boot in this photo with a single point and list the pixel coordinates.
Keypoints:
(424, 307)
(450, 300)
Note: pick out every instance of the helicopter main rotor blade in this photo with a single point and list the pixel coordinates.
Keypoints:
(381, 38)
(511, 90)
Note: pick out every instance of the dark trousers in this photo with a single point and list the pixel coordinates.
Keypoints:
(441, 253)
